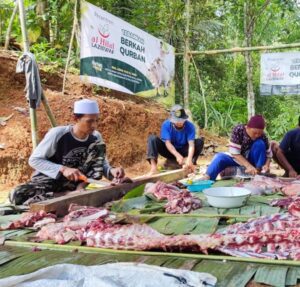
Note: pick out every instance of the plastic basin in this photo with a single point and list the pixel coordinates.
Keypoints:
(200, 185)
(227, 197)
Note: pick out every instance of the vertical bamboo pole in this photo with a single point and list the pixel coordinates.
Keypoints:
(33, 119)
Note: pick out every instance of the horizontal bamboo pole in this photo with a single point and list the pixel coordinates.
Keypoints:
(187, 215)
(86, 249)
(241, 49)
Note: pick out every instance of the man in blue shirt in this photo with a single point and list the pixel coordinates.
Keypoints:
(287, 154)
(177, 141)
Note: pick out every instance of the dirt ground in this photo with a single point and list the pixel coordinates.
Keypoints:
(125, 123)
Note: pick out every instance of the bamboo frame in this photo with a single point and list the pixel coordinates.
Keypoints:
(86, 249)
(187, 215)
(241, 49)
(33, 117)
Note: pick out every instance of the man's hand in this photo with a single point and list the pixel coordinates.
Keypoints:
(190, 168)
(117, 172)
(189, 165)
(180, 159)
(292, 173)
(265, 168)
(251, 170)
(71, 174)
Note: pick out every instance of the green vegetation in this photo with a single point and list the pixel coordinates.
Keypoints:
(214, 24)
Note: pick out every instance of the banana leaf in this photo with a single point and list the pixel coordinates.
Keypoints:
(292, 276)
(181, 225)
(220, 270)
(128, 204)
(271, 275)
(136, 192)
(225, 183)
(265, 199)
(180, 263)
(236, 274)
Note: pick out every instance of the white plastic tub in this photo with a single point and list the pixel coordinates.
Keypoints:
(227, 197)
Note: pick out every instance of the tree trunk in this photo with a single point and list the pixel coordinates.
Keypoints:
(186, 60)
(248, 31)
(9, 28)
(70, 45)
(41, 11)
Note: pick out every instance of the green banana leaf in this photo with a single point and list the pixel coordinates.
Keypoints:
(136, 192)
(271, 275)
(181, 225)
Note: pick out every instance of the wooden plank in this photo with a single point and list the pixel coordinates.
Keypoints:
(98, 197)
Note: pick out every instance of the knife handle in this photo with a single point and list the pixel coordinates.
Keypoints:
(83, 178)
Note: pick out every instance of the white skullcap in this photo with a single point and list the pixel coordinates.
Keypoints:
(86, 107)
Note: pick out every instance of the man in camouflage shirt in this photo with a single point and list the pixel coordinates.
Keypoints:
(65, 155)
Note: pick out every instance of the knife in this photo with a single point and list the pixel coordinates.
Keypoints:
(90, 180)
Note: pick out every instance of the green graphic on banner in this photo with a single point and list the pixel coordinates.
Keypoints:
(115, 71)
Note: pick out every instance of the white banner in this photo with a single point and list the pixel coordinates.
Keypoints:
(280, 73)
(117, 55)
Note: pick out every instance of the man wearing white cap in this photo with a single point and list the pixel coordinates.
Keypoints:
(177, 141)
(64, 155)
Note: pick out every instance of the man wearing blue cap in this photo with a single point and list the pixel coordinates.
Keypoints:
(66, 154)
(177, 141)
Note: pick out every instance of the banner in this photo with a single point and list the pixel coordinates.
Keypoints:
(116, 55)
(280, 73)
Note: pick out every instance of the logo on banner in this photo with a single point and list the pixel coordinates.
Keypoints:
(101, 41)
(275, 73)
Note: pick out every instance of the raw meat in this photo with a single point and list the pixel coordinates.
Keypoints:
(31, 219)
(264, 185)
(74, 224)
(292, 189)
(179, 201)
(276, 236)
(183, 202)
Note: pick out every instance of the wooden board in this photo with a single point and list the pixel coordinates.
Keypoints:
(98, 197)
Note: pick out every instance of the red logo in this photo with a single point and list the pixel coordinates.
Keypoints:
(104, 31)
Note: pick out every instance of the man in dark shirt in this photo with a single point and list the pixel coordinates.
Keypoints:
(287, 154)
(65, 155)
(177, 141)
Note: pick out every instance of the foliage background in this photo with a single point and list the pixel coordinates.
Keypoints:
(215, 24)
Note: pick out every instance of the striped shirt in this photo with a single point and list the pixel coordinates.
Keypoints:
(240, 142)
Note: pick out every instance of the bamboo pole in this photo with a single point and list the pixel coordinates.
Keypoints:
(199, 215)
(48, 111)
(9, 28)
(241, 49)
(32, 111)
(224, 258)
(202, 92)
(70, 46)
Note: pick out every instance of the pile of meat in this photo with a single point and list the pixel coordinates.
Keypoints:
(260, 185)
(292, 203)
(31, 219)
(178, 201)
(275, 236)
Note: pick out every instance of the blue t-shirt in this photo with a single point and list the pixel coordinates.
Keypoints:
(178, 138)
(291, 144)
